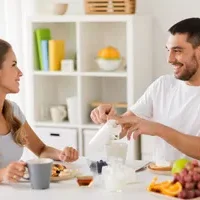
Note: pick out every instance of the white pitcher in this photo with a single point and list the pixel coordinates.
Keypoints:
(106, 134)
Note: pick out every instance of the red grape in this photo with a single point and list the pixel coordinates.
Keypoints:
(184, 172)
(180, 179)
(195, 162)
(198, 185)
(177, 177)
(188, 178)
(196, 176)
(197, 169)
(191, 172)
(190, 194)
(190, 185)
(189, 166)
(182, 183)
(197, 193)
(182, 194)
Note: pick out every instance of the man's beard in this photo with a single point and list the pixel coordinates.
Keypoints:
(189, 71)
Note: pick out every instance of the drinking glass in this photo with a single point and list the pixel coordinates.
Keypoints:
(116, 150)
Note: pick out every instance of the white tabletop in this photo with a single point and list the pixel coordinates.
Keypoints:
(71, 191)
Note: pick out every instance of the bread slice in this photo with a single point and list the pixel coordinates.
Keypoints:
(153, 166)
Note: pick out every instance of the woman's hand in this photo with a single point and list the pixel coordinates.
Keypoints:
(13, 172)
(69, 154)
(136, 126)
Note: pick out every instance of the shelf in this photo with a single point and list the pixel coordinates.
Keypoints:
(56, 73)
(105, 74)
(81, 18)
(92, 74)
(115, 104)
(85, 36)
(63, 124)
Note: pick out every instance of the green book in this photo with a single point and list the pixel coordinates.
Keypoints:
(40, 34)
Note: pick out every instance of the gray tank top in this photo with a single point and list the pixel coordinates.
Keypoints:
(9, 150)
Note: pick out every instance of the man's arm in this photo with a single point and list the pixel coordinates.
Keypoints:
(125, 128)
(187, 144)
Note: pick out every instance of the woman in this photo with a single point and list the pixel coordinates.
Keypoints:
(15, 132)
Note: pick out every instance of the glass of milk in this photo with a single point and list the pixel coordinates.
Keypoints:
(116, 150)
(114, 176)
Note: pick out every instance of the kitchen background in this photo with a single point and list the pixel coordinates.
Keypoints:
(13, 27)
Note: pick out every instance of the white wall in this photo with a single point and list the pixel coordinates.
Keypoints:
(10, 30)
(165, 14)
(2, 20)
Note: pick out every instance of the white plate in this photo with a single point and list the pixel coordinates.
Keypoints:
(162, 196)
(159, 172)
(71, 175)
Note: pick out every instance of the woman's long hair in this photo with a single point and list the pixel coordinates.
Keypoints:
(13, 123)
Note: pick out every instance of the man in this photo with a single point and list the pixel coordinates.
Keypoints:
(170, 107)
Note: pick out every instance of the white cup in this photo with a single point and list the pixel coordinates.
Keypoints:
(72, 103)
(116, 150)
(58, 113)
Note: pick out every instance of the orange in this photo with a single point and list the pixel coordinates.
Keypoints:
(109, 53)
(153, 182)
(158, 186)
(172, 190)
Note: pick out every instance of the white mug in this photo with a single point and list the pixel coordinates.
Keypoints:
(58, 113)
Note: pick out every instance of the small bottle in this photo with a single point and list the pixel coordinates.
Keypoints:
(107, 133)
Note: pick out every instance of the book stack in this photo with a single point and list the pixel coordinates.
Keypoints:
(49, 52)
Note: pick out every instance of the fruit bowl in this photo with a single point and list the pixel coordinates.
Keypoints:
(109, 64)
(184, 185)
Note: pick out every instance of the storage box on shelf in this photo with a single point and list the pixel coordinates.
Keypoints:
(110, 6)
(85, 36)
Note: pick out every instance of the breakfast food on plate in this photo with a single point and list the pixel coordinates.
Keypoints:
(156, 167)
(185, 184)
(57, 170)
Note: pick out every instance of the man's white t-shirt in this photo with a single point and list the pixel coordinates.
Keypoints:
(173, 103)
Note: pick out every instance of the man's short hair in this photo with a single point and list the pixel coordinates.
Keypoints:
(191, 27)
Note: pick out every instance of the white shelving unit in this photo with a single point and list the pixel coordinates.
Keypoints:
(85, 35)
